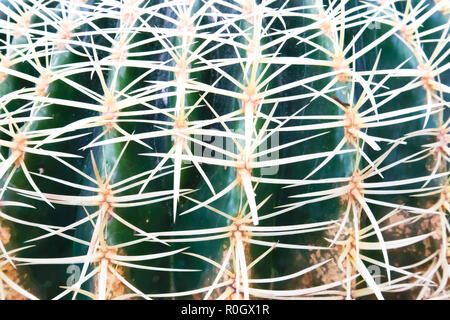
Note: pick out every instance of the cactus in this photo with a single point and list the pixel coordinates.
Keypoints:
(224, 149)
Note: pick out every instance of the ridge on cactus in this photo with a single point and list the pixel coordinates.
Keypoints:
(224, 149)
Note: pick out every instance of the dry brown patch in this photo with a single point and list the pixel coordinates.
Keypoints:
(11, 294)
(114, 287)
(5, 234)
(329, 272)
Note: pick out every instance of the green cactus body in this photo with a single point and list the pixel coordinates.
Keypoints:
(224, 149)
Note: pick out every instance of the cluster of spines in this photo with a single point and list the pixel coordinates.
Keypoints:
(186, 43)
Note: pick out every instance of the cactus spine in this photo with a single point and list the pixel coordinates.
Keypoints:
(224, 149)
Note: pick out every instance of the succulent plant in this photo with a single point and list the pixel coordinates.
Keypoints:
(224, 149)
